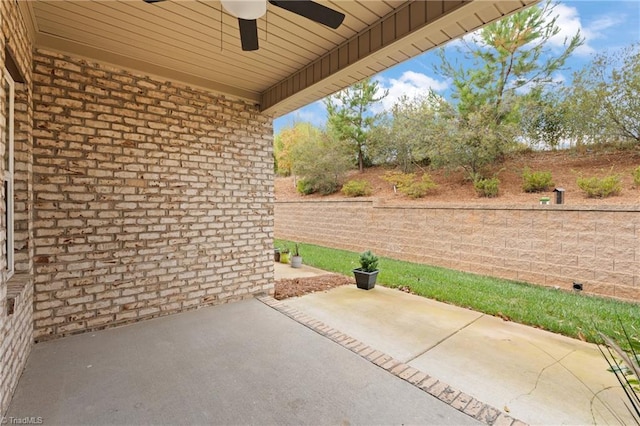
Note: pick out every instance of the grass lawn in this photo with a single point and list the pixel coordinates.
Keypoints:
(559, 311)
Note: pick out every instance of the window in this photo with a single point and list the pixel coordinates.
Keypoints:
(7, 142)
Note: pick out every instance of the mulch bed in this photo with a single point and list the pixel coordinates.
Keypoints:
(286, 288)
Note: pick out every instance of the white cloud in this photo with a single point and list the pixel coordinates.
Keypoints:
(410, 84)
(569, 22)
(601, 24)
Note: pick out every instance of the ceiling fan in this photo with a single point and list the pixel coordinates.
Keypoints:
(248, 11)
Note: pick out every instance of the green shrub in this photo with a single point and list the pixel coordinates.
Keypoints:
(406, 183)
(398, 179)
(324, 184)
(419, 189)
(487, 187)
(356, 188)
(600, 187)
(327, 185)
(304, 186)
(536, 181)
(636, 177)
(368, 261)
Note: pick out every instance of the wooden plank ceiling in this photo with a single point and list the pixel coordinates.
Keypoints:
(298, 62)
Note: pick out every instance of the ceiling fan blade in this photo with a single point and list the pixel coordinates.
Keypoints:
(248, 34)
(153, 1)
(312, 10)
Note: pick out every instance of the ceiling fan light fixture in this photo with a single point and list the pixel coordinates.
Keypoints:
(245, 9)
(248, 12)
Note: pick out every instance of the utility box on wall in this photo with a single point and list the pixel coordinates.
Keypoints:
(559, 195)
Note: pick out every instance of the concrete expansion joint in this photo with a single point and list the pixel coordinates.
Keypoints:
(467, 404)
(444, 339)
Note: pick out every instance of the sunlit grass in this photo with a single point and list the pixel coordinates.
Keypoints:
(571, 314)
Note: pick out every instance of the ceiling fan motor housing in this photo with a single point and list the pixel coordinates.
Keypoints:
(245, 9)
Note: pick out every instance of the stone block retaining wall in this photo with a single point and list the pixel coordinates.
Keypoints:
(598, 247)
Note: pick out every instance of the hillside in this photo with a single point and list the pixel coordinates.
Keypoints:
(565, 167)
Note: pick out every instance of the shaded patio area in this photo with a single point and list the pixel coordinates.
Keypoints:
(138, 169)
(240, 363)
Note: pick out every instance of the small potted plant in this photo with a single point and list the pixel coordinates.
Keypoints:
(284, 255)
(367, 273)
(296, 259)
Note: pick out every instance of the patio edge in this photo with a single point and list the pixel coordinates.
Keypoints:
(461, 401)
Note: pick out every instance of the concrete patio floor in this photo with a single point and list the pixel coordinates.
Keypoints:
(343, 356)
(241, 363)
(535, 376)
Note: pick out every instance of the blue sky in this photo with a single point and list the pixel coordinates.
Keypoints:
(605, 24)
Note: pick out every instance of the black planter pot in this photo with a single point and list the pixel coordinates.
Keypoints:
(365, 280)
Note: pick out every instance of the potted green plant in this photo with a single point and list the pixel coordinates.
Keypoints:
(367, 273)
(284, 255)
(296, 259)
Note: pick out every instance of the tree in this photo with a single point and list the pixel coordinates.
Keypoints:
(432, 128)
(512, 65)
(473, 142)
(350, 117)
(284, 144)
(605, 98)
(547, 121)
(587, 122)
(405, 136)
(320, 162)
(510, 58)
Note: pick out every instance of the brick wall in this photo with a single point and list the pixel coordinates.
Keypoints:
(16, 293)
(151, 197)
(545, 245)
